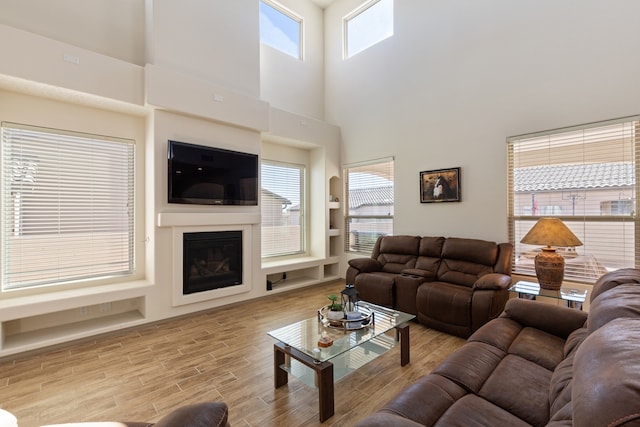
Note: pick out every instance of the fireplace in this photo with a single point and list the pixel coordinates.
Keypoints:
(211, 260)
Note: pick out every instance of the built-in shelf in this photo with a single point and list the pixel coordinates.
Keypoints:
(34, 321)
(54, 335)
(300, 272)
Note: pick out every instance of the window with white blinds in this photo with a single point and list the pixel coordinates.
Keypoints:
(282, 208)
(586, 176)
(67, 206)
(369, 194)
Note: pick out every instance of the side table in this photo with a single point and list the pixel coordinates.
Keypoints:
(574, 298)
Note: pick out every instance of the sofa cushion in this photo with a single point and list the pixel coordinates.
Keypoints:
(425, 400)
(539, 347)
(613, 279)
(446, 302)
(499, 333)
(470, 365)
(606, 382)
(396, 253)
(429, 254)
(471, 250)
(560, 386)
(472, 410)
(621, 301)
(376, 288)
(520, 387)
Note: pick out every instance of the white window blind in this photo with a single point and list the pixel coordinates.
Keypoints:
(67, 206)
(369, 193)
(586, 176)
(282, 207)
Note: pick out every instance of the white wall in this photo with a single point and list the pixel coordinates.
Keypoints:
(291, 84)
(114, 28)
(458, 77)
(153, 70)
(213, 40)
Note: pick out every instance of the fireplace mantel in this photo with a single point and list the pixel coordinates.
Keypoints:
(182, 219)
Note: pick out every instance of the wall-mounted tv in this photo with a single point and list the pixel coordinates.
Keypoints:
(211, 176)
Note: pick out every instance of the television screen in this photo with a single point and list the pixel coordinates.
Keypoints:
(211, 176)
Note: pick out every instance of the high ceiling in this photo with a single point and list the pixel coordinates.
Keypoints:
(323, 3)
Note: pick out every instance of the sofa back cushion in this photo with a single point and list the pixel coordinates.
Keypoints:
(429, 253)
(610, 358)
(621, 301)
(612, 279)
(465, 260)
(396, 253)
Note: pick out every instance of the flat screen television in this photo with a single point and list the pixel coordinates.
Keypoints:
(211, 176)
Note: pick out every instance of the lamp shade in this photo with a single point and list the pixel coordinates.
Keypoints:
(549, 264)
(551, 232)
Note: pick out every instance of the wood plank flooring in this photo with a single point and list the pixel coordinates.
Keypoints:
(225, 354)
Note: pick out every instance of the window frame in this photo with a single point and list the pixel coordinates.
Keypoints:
(302, 218)
(600, 232)
(387, 165)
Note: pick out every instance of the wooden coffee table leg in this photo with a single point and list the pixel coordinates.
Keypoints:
(325, 391)
(280, 376)
(403, 335)
(323, 371)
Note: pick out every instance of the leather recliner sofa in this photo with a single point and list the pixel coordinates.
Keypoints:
(454, 285)
(538, 364)
(203, 414)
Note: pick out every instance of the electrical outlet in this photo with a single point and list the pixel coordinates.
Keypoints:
(105, 307)
(84, 311)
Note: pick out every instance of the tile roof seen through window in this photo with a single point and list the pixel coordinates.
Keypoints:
(565, 177)
(360, 197)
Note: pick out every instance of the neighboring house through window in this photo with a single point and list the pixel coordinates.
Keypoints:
(67, 207)
(282, 208)
(370, 201)
(586, 176)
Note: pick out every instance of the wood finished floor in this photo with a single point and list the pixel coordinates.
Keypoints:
(222, 354)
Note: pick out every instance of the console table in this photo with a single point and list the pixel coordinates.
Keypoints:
(574, 298)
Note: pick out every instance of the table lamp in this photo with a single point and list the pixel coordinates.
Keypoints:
(550, 264)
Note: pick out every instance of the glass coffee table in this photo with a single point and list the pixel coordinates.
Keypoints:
(301, 348)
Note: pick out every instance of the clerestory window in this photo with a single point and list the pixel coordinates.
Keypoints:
(367, 25)
(281, 28)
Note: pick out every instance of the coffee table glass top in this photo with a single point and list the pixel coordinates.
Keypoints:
(304, 335)
(534, 289)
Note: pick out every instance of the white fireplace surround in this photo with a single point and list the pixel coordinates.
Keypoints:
(199, 223)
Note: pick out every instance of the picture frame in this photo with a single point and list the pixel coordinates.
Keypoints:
(440, 185)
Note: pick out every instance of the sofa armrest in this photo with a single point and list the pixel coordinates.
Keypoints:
(554, 319)
(365, 265)
(495, 281)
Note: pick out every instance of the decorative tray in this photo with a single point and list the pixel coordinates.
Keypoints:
(362, 318)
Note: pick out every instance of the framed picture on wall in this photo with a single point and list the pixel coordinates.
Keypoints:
(441, 185)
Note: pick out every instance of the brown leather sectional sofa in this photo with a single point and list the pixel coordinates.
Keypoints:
(537, 365)
(454, 285)
(205, 414)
